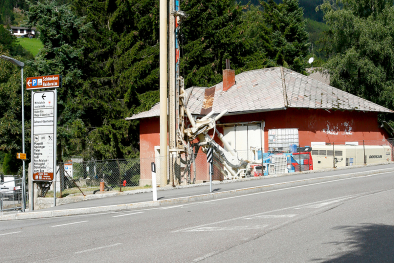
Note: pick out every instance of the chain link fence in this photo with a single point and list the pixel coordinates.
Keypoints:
(11, 194)
(87, 177)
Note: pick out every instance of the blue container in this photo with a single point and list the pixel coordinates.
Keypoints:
(293, 148)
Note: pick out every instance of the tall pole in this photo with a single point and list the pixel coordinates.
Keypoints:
(163, 93)
(23, 147)
(171, 94)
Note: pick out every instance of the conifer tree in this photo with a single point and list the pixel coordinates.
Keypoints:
(289, 39)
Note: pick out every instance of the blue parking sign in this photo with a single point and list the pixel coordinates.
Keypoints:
(34, 82)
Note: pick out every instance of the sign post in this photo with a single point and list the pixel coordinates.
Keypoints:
(44, 126)
(154, 187)
(210, 161)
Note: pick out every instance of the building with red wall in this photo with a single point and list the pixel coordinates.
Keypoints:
(269, 109)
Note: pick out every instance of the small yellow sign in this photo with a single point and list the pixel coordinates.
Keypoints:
(21, 156)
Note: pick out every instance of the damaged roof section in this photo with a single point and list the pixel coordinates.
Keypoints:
(267, 90)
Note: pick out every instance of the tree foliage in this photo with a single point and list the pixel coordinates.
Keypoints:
(108, 55)
(361, 48)
(251, 37)
(11, 99)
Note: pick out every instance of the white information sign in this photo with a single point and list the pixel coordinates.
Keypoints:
(68, 169)
(44, 118)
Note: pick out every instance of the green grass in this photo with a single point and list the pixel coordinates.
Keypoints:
(33, 45)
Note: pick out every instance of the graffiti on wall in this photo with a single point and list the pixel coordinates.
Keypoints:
(345, 128)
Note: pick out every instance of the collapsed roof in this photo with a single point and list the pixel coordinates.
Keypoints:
(269, 89)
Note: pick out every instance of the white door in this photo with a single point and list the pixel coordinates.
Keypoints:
(246, 140)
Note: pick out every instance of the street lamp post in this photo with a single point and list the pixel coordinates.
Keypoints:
(21, 65)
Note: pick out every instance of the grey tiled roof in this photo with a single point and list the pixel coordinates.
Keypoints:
(264, 90)
(319, 74)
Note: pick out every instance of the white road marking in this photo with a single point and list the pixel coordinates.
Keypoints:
(325, 203)
(173, 206)
(263, 213)
(204, 257)
(225, 228)
(288, 188)
(97, 248)
(73, 223)
(282, 189)
(128, 214)
(272, 216)
(10, 233)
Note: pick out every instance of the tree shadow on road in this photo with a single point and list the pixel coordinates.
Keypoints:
(365, 243)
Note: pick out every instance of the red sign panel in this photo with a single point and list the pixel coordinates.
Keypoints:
(43, 82)
(43, 176)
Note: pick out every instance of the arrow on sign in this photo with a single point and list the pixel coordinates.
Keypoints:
(28, 83)
(43, 96)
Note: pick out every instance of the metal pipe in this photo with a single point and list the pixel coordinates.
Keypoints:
(226, 145)
(23, 148)
(163, 93)
(206, 116)
(192, 122)
(221, 115)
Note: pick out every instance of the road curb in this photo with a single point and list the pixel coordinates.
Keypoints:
(187, 199)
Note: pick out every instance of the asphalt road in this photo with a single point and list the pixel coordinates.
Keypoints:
(339, 220)
(217, 187)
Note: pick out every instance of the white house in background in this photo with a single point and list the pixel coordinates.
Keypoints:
(23, 31)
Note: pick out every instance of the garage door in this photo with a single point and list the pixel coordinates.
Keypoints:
(245, 139)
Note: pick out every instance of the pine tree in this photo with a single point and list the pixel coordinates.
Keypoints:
(211, 33)
(289, 39)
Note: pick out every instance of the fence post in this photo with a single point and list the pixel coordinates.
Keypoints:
(61, 177)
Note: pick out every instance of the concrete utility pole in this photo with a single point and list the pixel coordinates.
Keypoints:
(172, 94)
(163, 93)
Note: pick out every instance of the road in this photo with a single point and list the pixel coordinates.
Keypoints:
(339, 220)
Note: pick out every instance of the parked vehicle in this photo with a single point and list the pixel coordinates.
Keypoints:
(9, 189)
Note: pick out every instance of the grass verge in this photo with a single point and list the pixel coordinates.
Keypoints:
(33, 45)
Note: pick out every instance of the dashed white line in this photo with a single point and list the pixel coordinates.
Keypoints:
(204, 257)
(225, 228)
(272, 216)
(10, 233)
(128, 214)
(73, 223)
(97, 248)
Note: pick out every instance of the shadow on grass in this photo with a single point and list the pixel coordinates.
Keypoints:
(365, 243)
